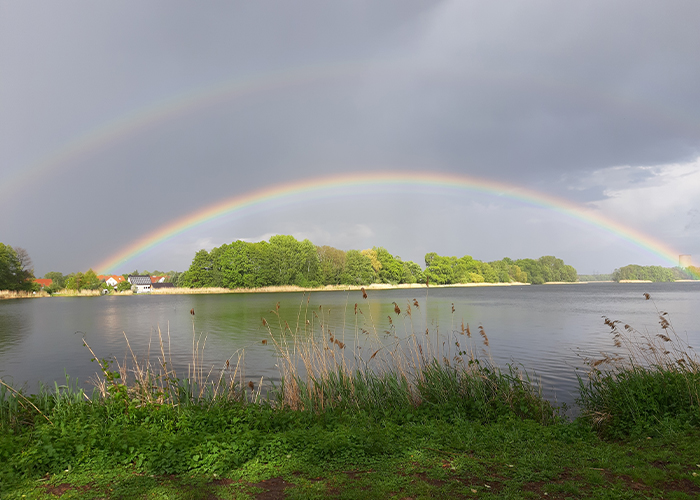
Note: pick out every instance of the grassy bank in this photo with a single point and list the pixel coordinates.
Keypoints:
(412, 419)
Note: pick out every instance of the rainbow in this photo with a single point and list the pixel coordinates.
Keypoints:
(145, 117)
(317, 186)
(142, 118)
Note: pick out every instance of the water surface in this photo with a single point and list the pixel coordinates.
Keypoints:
(542, 328)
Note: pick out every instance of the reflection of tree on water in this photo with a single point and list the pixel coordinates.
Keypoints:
(14, 323)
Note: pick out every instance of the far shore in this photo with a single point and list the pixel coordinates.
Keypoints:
(327, 288)
(4, 294)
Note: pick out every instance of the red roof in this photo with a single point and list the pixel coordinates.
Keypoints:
(44, 282)
(117, 277)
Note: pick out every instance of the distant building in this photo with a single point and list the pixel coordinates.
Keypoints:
(685, 261)
(43, 282)
(158, 279)
(143, 283)
(114, 280)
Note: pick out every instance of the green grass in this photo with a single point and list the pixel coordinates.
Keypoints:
(237, 450)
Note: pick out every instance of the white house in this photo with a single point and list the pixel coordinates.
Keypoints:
(114, 280)
(143, 283)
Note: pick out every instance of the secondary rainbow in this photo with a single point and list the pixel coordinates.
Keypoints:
(160, 111)
(317, 186)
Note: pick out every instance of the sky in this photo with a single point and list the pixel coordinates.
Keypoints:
(118, 119)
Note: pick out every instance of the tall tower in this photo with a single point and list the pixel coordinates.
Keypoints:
(685, 261)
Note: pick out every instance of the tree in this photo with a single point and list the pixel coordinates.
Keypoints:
(331, 264)
(200, 274)
(358, 269)
(390, 268)
(412, 273)
(15, 269)
(57, 279)
(90, 281)
(240, 262)
(292, 262)
(636, 272)
(83, 281)
(371, 254)
(532, 269)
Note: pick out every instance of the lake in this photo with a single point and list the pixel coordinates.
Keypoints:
(545, 329)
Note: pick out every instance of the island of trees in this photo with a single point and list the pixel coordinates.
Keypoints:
(283, 260)
(655, 273)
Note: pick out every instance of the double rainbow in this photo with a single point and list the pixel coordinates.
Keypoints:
(316, 186)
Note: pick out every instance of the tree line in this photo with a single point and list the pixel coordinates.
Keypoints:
(655, 273)
(283, 260)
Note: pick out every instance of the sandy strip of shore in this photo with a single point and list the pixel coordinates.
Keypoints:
(328, 288)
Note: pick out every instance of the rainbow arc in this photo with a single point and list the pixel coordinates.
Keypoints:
(317, 186)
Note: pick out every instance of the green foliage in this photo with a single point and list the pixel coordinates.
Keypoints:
(412, 273)
(285, 261)
(15, 269)
(83, 281)
(201, 272)
(331, 264)
(56, 278)
(638, 401)
(391, 269)
(449, 270)
(292, 262)
(358, 269)
(547, 269)
(595, 277)
(650, 273)
(123, 286)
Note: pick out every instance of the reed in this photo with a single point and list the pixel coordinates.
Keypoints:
(21, 294)
(154, 381)
(79, 293)
(648, 383)
(372, 370)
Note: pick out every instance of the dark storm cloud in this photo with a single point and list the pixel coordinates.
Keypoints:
(551, 95)
(532, 89)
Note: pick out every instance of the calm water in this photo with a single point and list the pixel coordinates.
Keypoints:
(543, 328)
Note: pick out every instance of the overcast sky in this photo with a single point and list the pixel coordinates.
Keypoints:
(117, 118)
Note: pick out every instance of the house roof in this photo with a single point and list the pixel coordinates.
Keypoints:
(158, 279)
(116, 277)
(44, 282)
(139, 280)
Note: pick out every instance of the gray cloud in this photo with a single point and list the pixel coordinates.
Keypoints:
(574, 100)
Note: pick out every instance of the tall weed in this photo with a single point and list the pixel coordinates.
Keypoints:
(649, 384)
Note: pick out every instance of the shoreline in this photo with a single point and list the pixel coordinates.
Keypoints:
(5, 295)
(327, 288)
